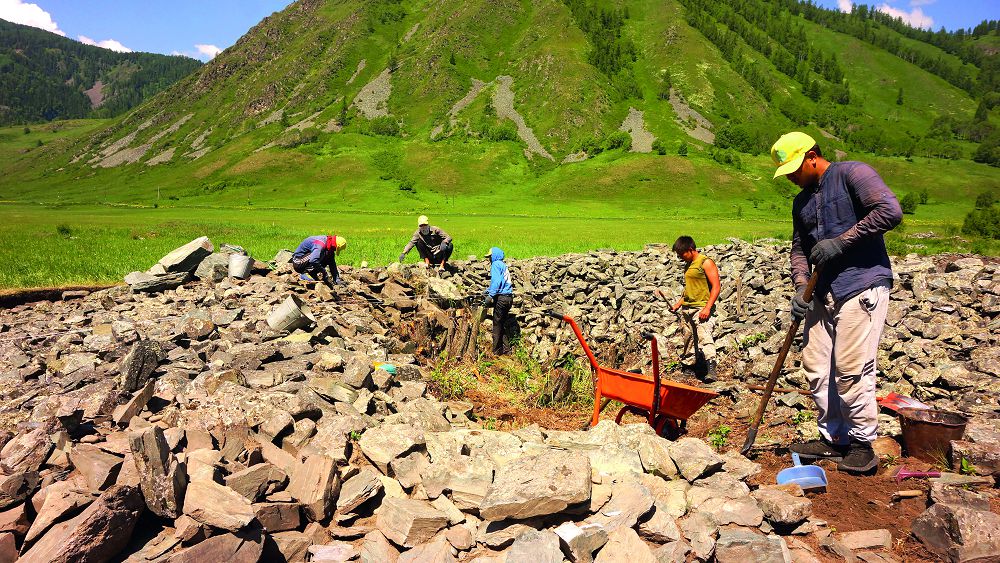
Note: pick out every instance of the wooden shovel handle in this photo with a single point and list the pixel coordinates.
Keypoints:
(778, 364)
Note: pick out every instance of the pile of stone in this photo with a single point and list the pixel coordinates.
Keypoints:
(176, 425)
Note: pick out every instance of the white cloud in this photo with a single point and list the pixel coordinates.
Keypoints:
(845, 5)
(915, 3)
(915, 17)
(107, 44)
(209, 51)
(28, 14)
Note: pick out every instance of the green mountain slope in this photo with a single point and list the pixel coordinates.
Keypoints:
(517, 106)
(46, 76)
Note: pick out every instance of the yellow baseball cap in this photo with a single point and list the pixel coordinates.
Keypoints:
(788, 152)
(422, 220)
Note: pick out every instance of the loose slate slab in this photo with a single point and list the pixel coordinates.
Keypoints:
(163, 480)
(253, 482)
(629, 502)
(694, 458)
(246, 546)
(136, 367)
(740, 546)
(25, 452)
(186, 258)
(959, 533)
(278, 516)
(216, 505)
(100, 469)
(581, 542)
(357, 490)
(375, 548)
(782, 508)
(315, 483)
(124, 413)
(409, 522)
(61, 499)
(537, 485)
(96, 534)
(537, 546)
(625, 546)
(385, 443)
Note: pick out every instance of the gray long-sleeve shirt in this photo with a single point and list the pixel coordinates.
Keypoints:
(853, 204)
(434, 237)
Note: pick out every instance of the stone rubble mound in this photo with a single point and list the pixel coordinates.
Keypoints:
(173, 424)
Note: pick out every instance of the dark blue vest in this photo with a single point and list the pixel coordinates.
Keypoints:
(826, 213)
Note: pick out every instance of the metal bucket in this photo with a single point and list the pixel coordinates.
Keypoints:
(240, 266)
(291, 314)
(927, 433)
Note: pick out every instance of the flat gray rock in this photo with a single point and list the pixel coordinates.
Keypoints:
(409, 522)
(538, 546)
(536, 485)
(741, 546)
(694, 458)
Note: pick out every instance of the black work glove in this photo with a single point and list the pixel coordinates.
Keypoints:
(825, 251)
(436, 249)
(799, 305)
(402, 257)
(488, 302)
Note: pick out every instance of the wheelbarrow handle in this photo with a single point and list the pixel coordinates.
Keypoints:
(554, 313)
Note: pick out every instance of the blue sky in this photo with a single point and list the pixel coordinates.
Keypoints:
(203, 28)
(950, 14)
(198, 29)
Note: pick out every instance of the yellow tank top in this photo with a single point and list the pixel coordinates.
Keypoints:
(696, 288)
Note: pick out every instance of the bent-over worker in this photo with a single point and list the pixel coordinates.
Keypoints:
(316, 258)
(433, 244)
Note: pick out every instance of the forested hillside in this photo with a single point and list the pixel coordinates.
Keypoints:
(392, 104)
(46, 76)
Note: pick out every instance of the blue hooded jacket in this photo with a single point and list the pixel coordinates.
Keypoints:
(499, 275)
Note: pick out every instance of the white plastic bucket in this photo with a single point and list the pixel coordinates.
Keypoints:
(291, 314)
(240, 266)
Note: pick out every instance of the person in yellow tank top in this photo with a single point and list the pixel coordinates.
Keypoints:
(697, 303)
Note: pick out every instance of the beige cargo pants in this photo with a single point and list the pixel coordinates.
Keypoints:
(840, 344)
(698, 334)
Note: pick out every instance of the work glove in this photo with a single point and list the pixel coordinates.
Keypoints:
(799, 305)
(436, 249)
(488, 302)
(825, 251)
(402, 257)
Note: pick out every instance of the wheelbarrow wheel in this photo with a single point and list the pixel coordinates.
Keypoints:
(668, 427)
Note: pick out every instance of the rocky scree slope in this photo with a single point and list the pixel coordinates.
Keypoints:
(166, 421)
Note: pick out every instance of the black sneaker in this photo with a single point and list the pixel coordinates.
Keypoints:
(818, 449)
(860, 458)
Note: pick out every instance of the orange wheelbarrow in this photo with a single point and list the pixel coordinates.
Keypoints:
(665, 404)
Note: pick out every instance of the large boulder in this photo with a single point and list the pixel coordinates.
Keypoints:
(536, 485)
(97, 534)
(186, 258)
(958, 533)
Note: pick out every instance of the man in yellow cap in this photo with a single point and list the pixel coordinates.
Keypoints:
(433, 244)
(316, 255)
(838, 221)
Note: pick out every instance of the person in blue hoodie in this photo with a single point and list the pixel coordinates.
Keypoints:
(500, 295)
